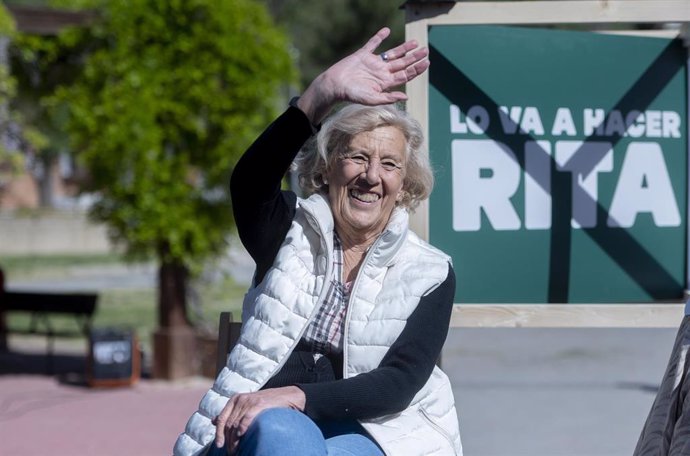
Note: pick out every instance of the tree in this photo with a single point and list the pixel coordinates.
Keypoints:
(17, 137)
(9, 156)
(171, 93)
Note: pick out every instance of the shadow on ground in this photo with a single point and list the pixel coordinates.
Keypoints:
(69, 369)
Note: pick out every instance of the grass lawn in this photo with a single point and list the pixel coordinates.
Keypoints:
(52, 265)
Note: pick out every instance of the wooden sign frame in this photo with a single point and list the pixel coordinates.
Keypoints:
(420, 16)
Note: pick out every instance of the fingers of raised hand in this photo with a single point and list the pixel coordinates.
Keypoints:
(377, 39)
(402, 50)
(405, 67)
(402, 62)
(415, 70)
(409, 73)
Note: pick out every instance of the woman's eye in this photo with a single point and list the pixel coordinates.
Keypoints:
(389, 165)
(359, 159)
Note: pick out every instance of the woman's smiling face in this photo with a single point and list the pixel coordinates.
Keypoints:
(366, 181)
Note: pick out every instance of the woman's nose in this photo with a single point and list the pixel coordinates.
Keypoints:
(372, 172)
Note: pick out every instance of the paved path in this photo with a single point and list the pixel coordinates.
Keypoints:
(58, 415)
(40, 416)
(554, 392)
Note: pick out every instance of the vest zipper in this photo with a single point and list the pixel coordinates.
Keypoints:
(438, 428)
(329, 270)
(355, 285)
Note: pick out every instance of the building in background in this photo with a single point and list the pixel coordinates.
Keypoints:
(40, 181)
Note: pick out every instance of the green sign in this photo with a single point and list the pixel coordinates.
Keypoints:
(561, 164)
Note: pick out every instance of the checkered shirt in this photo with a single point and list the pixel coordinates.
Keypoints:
(325, 332)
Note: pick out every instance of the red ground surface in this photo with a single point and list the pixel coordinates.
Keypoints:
(57, 415)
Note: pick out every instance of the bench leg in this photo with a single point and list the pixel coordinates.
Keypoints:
(51, 354)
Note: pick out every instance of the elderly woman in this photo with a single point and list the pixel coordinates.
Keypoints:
(349, 309)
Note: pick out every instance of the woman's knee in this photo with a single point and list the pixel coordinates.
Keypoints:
(282, 431)
(353, 445)
(279, 421)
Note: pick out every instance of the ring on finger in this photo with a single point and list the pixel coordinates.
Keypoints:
(385, 57)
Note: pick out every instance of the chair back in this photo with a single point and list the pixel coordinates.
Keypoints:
(228, 334)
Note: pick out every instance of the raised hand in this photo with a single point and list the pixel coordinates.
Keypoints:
(365, 77)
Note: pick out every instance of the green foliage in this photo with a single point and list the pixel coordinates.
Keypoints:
(171, 93)
(8, 90)
(11, 122)
(40, 64)
(7, 25)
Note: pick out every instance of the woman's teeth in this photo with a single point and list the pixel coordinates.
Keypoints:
(365, 197)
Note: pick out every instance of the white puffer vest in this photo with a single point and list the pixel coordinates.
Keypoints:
(398, 270)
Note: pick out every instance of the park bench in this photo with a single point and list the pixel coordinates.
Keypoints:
(228, 333)
(41, 305)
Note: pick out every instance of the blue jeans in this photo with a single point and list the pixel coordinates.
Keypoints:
(286, 432)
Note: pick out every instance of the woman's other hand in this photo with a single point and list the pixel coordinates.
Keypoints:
(365, 77)
(241, 409)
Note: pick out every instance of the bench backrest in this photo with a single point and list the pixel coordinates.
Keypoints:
(228, 333)
(66, 303)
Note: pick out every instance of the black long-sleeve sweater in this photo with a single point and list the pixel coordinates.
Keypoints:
(263, 214)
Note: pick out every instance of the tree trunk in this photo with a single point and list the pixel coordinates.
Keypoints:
(44, 178)
(174, 341)
(172, 295)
